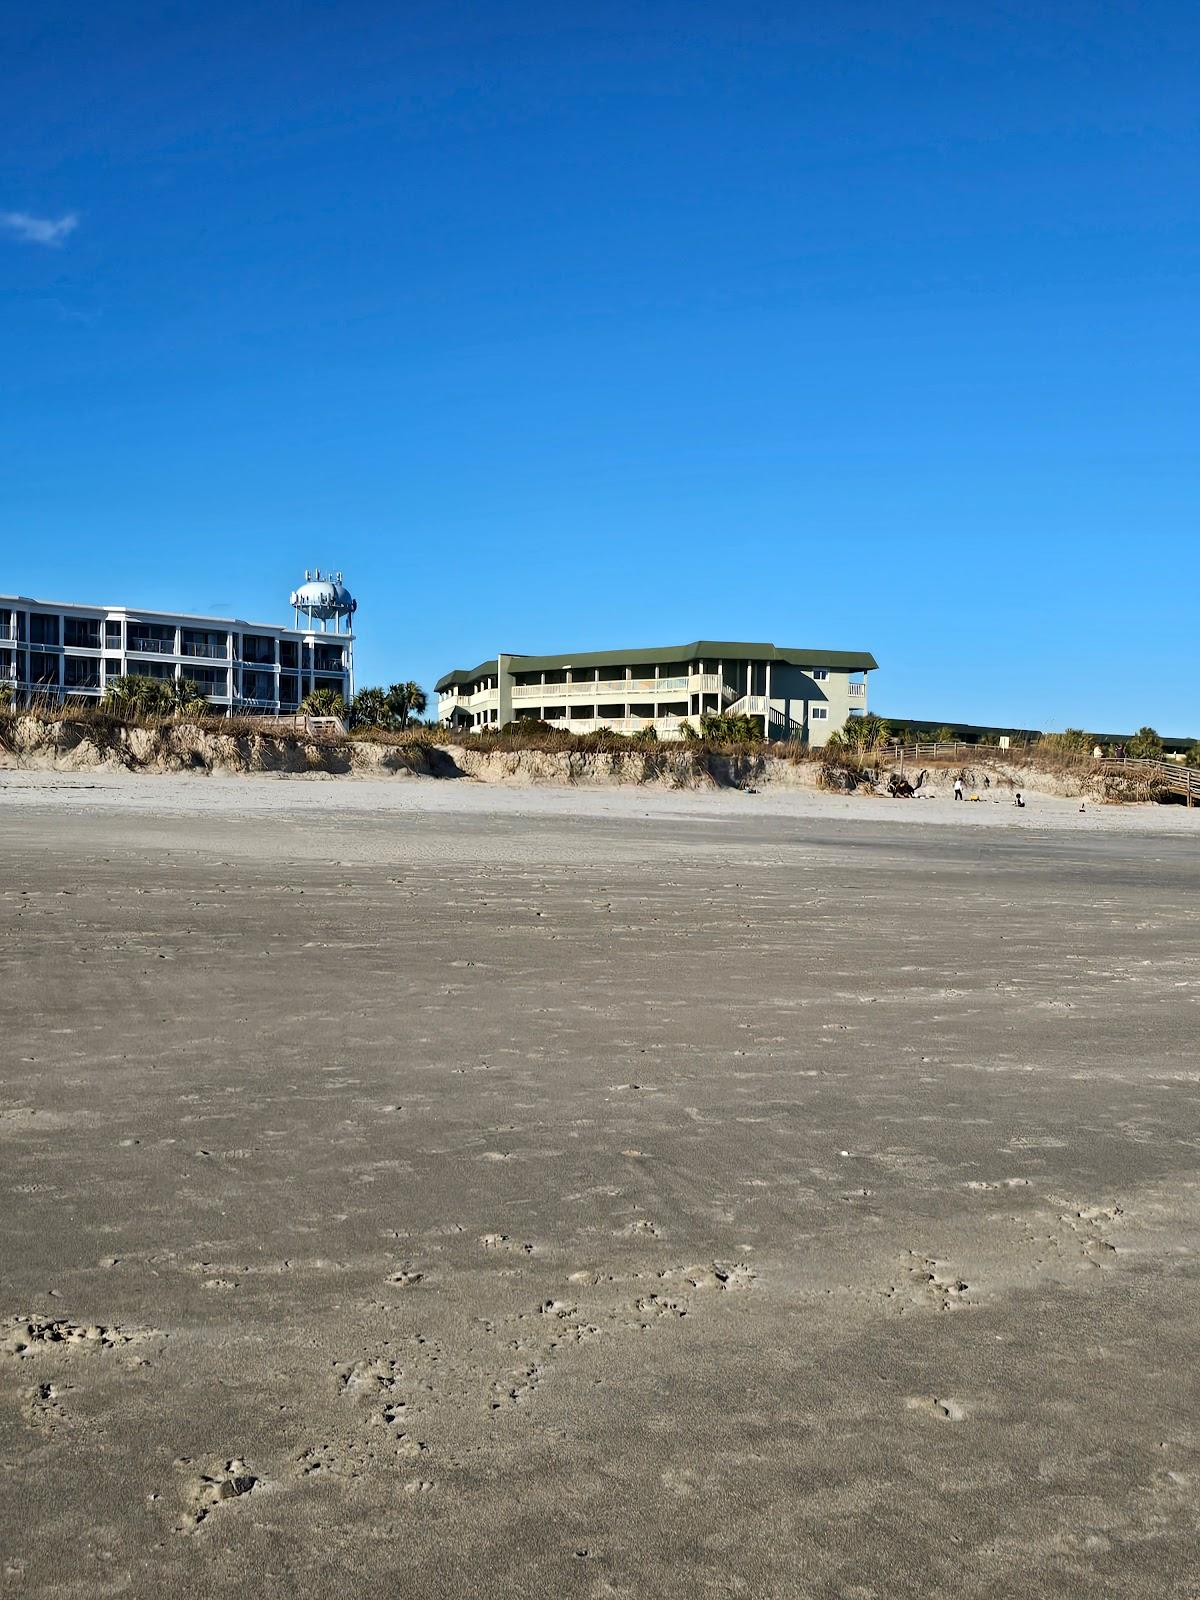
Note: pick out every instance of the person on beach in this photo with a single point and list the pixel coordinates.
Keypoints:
(1020, 800)
(958, 788)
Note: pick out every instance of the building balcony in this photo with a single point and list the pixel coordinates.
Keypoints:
(617, 688)
(857, 693)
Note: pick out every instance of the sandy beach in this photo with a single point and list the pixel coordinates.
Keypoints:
(427, 1188)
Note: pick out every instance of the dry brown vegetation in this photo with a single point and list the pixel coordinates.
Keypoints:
(86, 734)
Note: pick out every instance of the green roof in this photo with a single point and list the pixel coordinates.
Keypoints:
(698, 650)
(485, 669)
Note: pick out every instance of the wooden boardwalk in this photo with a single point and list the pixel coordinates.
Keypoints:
(1171, 776)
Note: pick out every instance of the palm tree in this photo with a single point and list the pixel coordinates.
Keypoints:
(134, 696)
(323, 703)
(369, 709)
(1145, 744)
(859, 734)
(406, 700)
(184, 698)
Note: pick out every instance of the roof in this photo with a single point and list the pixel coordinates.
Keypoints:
(697, 650)
(144, 614)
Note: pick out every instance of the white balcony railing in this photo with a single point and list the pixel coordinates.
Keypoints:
(661, 725)
(857, 691)
(616, 688)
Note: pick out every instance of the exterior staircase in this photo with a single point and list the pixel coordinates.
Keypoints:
(776, 723)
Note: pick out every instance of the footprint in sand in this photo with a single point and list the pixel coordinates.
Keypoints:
(366, 1380)
(406, 1277)
(940, 1407)
(502, 1241)
(927, 1285)
(44, 1409)
(229, 1481)
(1090, 1225)
(640, 1227)
(713, 1276)
(30, 1335)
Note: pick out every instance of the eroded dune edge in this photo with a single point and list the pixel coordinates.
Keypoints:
(31, 743)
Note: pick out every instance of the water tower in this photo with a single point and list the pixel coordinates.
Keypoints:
(322, 600)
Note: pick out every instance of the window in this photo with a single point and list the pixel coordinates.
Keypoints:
(820, 672)
(151, 638)
(81, 633)
(819, 713)
(257, 647)
(287, 654)
(42, 629)
(81, 672)
(112, 635)
(257, 685)
(203, 642)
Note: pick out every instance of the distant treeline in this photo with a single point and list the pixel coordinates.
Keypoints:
(973, 733)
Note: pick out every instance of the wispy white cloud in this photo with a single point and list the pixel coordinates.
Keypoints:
(38, 230)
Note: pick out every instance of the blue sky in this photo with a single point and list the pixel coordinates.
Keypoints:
(855, 325)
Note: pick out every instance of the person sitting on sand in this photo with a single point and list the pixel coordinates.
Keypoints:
(1020, 801)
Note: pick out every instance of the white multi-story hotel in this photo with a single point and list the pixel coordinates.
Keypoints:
(795, 694)
(49, 649)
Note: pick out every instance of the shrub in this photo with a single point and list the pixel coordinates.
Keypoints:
(860, 734)
(719, 727)
(1071, 741)
(1145, 745)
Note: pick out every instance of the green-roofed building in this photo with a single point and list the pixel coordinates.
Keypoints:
(794, 694)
